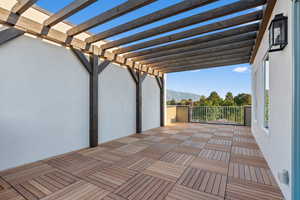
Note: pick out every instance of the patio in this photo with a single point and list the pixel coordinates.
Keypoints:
(182, 161)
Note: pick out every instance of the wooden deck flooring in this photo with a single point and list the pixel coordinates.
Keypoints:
(180, 162)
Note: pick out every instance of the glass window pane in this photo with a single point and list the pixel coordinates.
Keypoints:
(266, 92)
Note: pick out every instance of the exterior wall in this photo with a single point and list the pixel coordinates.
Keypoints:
(44, 109)
(117, 108)
(182, 114)
(151, 104)
(275, 143)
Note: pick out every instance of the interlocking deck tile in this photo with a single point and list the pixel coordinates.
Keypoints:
(180, 137)
(105, 156)
(217, 166)
(203, 135)
(183, 193)
(220, 141)
(194, 144)
(156, 151)
(164, 170)
(243, 139)
(204, 181)
(110, 178)
(245, 145)
(135, 162)
(145, 187)
(154, 138)
(246, 151)
(10, 194)
(79, 191)
(112, 144)
(215, 155)
(241, 190)
(131, 148)
(178, 158)
(218, 147)
(127, 140)
(248, 160)
(113, 196)
(187, 150)
(171, 141)
(224, 134)
(251, 173)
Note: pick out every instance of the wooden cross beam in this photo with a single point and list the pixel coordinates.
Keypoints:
(235, 45)
(235, 21)
(201, 56)
(94, 70)
(198, 18)
(198, 40)
(67, 11)
(22, 5)
(215, 43)
(220, 63)
(115, 12)
(150, 18)
(9, 34)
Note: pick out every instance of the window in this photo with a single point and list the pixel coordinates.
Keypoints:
(266, 71)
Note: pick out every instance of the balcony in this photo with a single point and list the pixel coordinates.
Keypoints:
(181, 161)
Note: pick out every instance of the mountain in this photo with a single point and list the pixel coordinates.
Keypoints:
(177, 96)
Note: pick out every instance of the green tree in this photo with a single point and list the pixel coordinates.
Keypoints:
(214, 99)
(172, 102)
(242, 99)
(229, 100)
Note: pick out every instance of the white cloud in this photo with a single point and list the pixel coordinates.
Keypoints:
(240, 69)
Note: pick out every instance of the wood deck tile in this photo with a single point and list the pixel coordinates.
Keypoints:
(239, 190)
(203, 135)
(112, 144)
(164, 170)
(194, 144)
(79, 191)
(251, 173)
(10, 194)
(199, 139)
(219, 141)
(218, 147)
(224, 134)
(106, 156)
(113, 196)
(145, 187)
(178, 158)
(187, 150)
(135, 162)
(171, 141)
(243, 139)
(248, 160)
(127, 140)
(246, 151)
(245, 145)
(180, 137)
(215, 155)
(183, 193)
(131, 148)
(210, 165)
(204, 181)
(154, 138)
(110, 178)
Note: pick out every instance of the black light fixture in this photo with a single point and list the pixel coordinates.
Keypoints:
(278, 33)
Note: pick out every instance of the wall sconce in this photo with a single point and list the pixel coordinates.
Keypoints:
(278, 33)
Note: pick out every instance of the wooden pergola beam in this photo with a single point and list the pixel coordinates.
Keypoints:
(225, 47)
(209, 65)
(235, 21)
(150, 18)
(22, 5)
(198, 18)
(205, 60)
(113, 13)
(246, 50)
(223, 41)
(263, 27)
(9, 34)
(67, 11)
(202, 39)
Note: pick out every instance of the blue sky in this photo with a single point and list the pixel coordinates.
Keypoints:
(221, 79)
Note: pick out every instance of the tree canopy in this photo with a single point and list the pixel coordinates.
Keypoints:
(214, 99)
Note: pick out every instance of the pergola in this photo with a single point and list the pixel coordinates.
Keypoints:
(227, 42)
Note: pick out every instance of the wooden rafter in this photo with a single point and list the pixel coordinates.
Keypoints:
(225, 47)
(184, 59)
(205, 60)
(235, 61)
(67, 11)
(22, 5)
(215, 43)
(263, 27)
(9, 34)
(207, 38)
(251, 17)
(150, 18)
(211, 14)
(122, 9)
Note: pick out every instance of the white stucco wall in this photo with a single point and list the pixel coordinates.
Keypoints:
(44, 100)
(117, 109)
(151, 103)
(275, 143)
